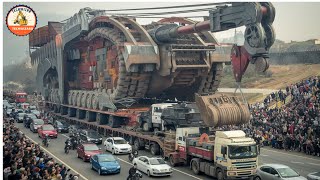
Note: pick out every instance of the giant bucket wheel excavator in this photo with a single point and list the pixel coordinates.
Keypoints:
(100, 62)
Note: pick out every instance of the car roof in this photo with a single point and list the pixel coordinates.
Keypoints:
(102, 155)
(47, 124)
(276, 166)
(117, 138)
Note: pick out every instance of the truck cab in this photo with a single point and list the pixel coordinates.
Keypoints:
(151, 120)
(236, 155)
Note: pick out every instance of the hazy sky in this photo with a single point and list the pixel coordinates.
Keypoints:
(294, 21)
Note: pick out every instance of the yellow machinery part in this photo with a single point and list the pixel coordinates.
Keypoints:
(219, 109)
(23, 21)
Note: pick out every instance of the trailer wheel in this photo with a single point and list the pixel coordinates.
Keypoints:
(219, 174)
(171, 161)
(155, 149)
(195, 167)
(136, 144)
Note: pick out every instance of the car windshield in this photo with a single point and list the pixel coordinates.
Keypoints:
(106, 159)
(93, 134)
(287, 172)
(91, 148)
(120, 141)
(157, 161)
(242, 151)
(59, 123)
(9, 110)
(38, 122)
(48, 128)
(22, 114)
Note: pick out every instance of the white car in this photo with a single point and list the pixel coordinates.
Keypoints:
(277, 172)
(117, 145)
(152, 166)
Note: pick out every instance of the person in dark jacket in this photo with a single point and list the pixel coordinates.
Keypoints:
(132, 171)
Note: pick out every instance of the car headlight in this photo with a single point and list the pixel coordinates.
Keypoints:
(89, 139)
(116, 148)
(100, 139)
(170, 169)
(118, 167)
(156, 170)
(104, 168)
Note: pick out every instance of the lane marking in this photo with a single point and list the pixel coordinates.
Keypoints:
(290, 154)
(132, 165)
(56, 157)
(264, 155)
(294, 162)
(172, 169)
(314, 164)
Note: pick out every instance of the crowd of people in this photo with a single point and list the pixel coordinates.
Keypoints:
(23, 159)
(295, 125)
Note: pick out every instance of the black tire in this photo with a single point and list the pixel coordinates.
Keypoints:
(99, 172)
(257, 178)
(155, 149)
(220, 174)
(171, 161)
(195, 167)
(113, 152)
(136, 144)
(67, 151)
(148, 173)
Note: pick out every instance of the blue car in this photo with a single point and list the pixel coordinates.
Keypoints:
(105, 164)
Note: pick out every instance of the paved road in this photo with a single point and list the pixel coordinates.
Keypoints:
(56, 148)
(298, 161)
(244, 90)
(304, 164)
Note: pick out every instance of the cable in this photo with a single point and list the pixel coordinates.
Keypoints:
(161, 13)
(168, 7)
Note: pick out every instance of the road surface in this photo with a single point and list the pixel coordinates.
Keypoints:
(298, 161)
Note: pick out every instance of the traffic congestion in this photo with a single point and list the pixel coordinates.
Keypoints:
(102, 153)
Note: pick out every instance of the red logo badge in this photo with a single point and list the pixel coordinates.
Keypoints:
(21, 20)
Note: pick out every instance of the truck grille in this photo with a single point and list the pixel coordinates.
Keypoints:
(244, 165)
(244, 173)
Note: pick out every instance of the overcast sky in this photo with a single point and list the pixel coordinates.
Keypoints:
(294, 21)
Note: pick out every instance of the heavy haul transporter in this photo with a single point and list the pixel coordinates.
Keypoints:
(104, 71)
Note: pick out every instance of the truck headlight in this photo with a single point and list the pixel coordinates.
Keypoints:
(232, 173)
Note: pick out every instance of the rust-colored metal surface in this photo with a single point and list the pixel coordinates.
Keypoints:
(217, 110)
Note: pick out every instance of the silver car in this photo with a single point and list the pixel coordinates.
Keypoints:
(314, 176)
(277, 172)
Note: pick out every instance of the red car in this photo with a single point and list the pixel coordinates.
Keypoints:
(47, 129)
(86, 150)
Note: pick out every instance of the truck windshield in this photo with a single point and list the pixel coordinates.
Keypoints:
(238, 152)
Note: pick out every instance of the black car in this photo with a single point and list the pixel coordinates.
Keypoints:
(27, 119)
(90, 136)
(61, 126)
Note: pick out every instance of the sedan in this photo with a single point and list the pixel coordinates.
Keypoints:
(61, 126)
(105, 164)
(19, 117)
(27, 120)
(36, 112)
(314, 176)
(277, 172)
(47, 129)
(86, 150)
(90, 136)
(35, 124)
(117, 145)
(152, 166)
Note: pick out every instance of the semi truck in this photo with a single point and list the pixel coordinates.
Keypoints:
(225, 155)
